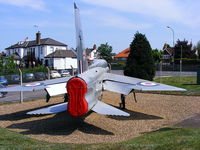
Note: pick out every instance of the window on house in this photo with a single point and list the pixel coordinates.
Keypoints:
(33, 52)
(41, 50)
(51, 49)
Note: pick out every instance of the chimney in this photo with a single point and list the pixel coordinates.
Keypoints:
(94, 47)
(38, 37)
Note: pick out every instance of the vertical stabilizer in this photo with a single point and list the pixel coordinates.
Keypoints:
(81, 53)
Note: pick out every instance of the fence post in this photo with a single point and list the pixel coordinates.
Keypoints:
(72, 70)
(48, 70)
(21, 93)
(198, 75)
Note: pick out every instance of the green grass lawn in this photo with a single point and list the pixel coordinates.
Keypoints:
(164, 139)
(188, 82)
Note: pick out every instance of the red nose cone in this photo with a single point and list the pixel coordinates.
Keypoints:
(76, 89)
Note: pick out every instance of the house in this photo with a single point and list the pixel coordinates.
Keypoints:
(91, 53)
(167, 55)
(36, 49)
(122, 56)
(61, 59)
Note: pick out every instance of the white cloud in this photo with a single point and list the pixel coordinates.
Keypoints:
(110, 19)
(34, 4)
(18, 23)
(179, 11)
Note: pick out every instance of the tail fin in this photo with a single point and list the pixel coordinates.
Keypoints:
(81, 53)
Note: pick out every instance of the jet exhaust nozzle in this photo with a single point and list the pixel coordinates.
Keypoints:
(76, 89)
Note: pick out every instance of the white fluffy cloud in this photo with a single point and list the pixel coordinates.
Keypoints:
(34, 4)
(179, 11)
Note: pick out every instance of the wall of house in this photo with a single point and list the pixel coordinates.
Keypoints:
(20, 51)
(64, 63)
(51, 49)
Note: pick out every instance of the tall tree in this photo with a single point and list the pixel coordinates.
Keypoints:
(183, 49)
(105, 52)
(140, 61)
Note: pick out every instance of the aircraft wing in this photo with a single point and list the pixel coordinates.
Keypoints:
(124, 85)
(37, 85)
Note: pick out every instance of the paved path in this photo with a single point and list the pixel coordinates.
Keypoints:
(191, 122)
(15, 96)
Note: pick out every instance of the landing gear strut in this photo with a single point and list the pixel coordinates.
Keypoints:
(122, 105)
(66, 98)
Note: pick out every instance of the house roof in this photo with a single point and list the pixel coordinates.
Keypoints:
(169, 50)
(61, 54)
(46, 41)
(124, 53)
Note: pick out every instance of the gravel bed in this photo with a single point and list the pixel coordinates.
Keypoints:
(151, 112)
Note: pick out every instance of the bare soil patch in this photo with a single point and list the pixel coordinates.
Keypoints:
(152, 112)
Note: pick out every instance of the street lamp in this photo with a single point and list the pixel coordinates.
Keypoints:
(172, 33)
(181, 60)
(173, 45)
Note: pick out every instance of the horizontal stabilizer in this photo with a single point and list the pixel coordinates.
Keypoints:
(105, 109)
(50, 110)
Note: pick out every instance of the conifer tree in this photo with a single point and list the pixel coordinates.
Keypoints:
(140, 63)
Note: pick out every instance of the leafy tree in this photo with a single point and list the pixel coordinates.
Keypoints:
(105, 52)
(157, 56)
(186, 49)
(166, 46)
(10, 65)
(140, 61)
(1, 63)
(198, 50)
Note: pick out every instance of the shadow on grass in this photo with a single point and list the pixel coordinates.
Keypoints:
(164, 129)
(160, 130)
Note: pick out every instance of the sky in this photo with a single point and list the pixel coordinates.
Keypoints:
(103, 21)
